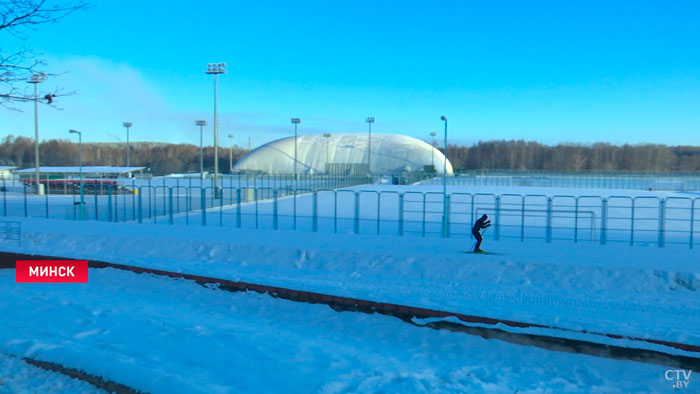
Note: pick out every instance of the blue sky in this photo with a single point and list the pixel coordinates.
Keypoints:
(619, 72)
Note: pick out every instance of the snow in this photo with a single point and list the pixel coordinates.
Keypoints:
(165, 335)
(639, 291)
(16, 376)
(123, 326)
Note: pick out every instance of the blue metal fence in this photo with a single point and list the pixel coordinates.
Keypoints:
(646, 220)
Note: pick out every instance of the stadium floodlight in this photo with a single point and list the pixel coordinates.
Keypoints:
(128, 126)
(444, 185)
(216, 69)
(35, 80)
(201, 124)
(295, 122)
(80, 163)
(369, 121)
(328, 137)
(432, 151)
(230, 156)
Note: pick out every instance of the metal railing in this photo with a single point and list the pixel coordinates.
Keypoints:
(638, 220)
(603, 180)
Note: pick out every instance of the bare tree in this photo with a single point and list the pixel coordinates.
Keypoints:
(17, 19)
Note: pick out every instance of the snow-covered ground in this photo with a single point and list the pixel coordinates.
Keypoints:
(642, 291)
(16, 376)
(164, 335)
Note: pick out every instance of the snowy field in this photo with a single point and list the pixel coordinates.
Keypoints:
(171, 336)
(540, 276)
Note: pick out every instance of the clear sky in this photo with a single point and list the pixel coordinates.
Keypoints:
(560, 71)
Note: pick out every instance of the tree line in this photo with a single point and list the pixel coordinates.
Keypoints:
(159, 158)
(527, 155)
(162, 158)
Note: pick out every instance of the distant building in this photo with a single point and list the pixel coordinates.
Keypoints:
(6, 172)
(344, 154)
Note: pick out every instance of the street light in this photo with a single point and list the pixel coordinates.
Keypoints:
(444, 185)
(369, 121)
(230, 156)
(128, 126)
(295, 122)
(216, 69)
(80, 162)
(432, 151)
(328, 166)
(201, 124)
(37, 79)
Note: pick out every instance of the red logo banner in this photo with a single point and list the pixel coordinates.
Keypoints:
(51, 271)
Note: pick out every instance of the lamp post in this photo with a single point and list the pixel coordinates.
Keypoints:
(37, 79)
(328, 165)
(230, 155)
(128, 126)
(444, 185)
(80, 162)
(216, 69)
(295, 122)
(201, 124)
(432, 151)
(369, 121)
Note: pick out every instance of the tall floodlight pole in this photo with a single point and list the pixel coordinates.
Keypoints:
(444, 185)
(128, 126)
(328, 137)
(80, 162)
(230, 155)
(37, 79)
(201, 124)
(369, 121)
(432, 151)
(216, 69)
(295, 122)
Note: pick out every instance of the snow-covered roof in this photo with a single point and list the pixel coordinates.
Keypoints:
(7, 168)
(390, 153)
(86, 169)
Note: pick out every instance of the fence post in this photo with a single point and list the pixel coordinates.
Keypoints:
(25, 201)
(140, 208)
(632, 225)
(274, 210)
(255, 195)
(522, 219)
(335, 211)
(221, 205)
(315, 218)
(400, 213)
(4, 197)
(548, 233)
(203, 199)
(96, 210)
(603, 221)
(497, 226)
(662, 221)
(238, 210)
(379, 212)
(692, 220)
(170, 205)
(109, 203)
(447, 215)
(295, 203)
(423, 194)
(46, 195)
(357, 213)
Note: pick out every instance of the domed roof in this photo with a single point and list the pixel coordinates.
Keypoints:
(390, 154)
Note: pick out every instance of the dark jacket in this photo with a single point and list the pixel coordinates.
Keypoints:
(482, 223)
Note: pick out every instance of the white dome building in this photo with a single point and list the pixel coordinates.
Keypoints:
(343, 154)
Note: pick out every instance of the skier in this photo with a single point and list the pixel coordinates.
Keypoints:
(482, 223)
